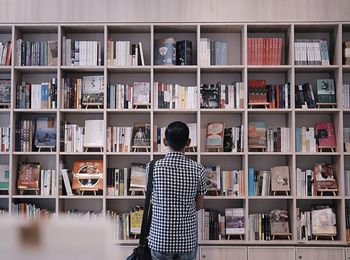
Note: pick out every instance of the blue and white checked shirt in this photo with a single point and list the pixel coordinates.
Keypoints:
(177, 181)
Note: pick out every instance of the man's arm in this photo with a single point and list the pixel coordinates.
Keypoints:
(199, 201)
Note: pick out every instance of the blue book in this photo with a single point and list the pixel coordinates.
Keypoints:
(251, 182)
(297, 139)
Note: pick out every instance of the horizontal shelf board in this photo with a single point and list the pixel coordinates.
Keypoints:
(129, 153)
(316, 110)
(268, 68)
(129, 69)
(270, 110)
(347, 197)
(222, 153)
(175, 111)
(347, 153)
(125, 197)
(83, 68)
(81, 197)
(346, 68)
(164, 153)
(126, 242)
(218, 110)
(32, 197)
(321, 242)
(37, 69)
(269, 153)
(317, 154)
(88, 110)
(175, 68)
(5, 69)
(131, 111)
(35, 153)
(29, 110)
(315, 68)
(270, 197)
(319, 198)
(224, 197)
(236, 241)
(5, 110)
(222, 68)
(4, 153)
(81, 153)
(4, 196)
(346, 110)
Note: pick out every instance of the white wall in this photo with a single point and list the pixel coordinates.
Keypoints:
(17, 11)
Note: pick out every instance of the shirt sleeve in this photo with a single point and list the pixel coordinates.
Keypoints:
(202, 186)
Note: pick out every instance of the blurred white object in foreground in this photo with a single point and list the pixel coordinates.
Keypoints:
(61, 238)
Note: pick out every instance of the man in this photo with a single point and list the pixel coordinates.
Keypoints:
(179, 185)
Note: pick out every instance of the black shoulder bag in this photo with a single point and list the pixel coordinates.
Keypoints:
(142, 251)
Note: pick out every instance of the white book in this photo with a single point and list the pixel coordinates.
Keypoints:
(42, 182)
(141, 54)
(193, 134)
(53, 183)
(66, 181)
(94, 133)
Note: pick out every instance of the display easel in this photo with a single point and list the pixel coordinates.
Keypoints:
(288, 235)
(241, 236)
(191, 149)
(22, 190)
(264, 104)
(281, 191)
(99, 147)
(214, 148)
(136, 148)
(140, 106)
(5, 105)
(82, 176)
(258, 148)
(95, 105)
(326, 105)
(333, 191)
(137, 190)
(331, 236)
(50, 148)
(331, 148)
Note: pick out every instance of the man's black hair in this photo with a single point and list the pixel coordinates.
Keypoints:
(176, 135)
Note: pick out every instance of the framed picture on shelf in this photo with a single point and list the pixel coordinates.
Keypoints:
(45, 133)
(215, 136)
(28, 177)
(87, 176)
(141, 95)
(141, 136)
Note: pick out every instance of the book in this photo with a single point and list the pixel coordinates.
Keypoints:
(184, 52)
(67, 184)
(136, 221)
(5, 92)
(347, 139)
(4, 177)
(257, 92)
(88, 175)
(326, 91)
(93, 91)
(94, 134)
(213, 177)
(325, 135)
(257, 135)
(280, 178)
(234, 220)
(141, 94)
(323, 177)
(279, 222)
(193, 134)
(215, 135)
(233, 139)
(165, 51)
(45, 132)
(138, 176)
(141, 135)
(141, 54)
(324, 222)
(52, 53)
(28, 176)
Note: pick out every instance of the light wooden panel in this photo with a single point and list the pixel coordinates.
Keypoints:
(171, 11)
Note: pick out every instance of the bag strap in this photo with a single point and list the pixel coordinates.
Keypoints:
(147, 213)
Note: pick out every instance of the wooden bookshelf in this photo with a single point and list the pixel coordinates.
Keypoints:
(191, 75)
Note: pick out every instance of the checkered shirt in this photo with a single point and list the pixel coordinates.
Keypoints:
(176, 182)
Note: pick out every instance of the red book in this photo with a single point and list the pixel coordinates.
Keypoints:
(277, 88)
(325, 134)
(279, 51)
(8, 57)
(249, 51)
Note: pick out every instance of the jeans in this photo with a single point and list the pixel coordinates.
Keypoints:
(156, 255)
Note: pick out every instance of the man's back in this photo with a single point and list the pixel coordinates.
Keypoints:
(177, 181)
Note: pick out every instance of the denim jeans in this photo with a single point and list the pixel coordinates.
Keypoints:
(156, 255)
